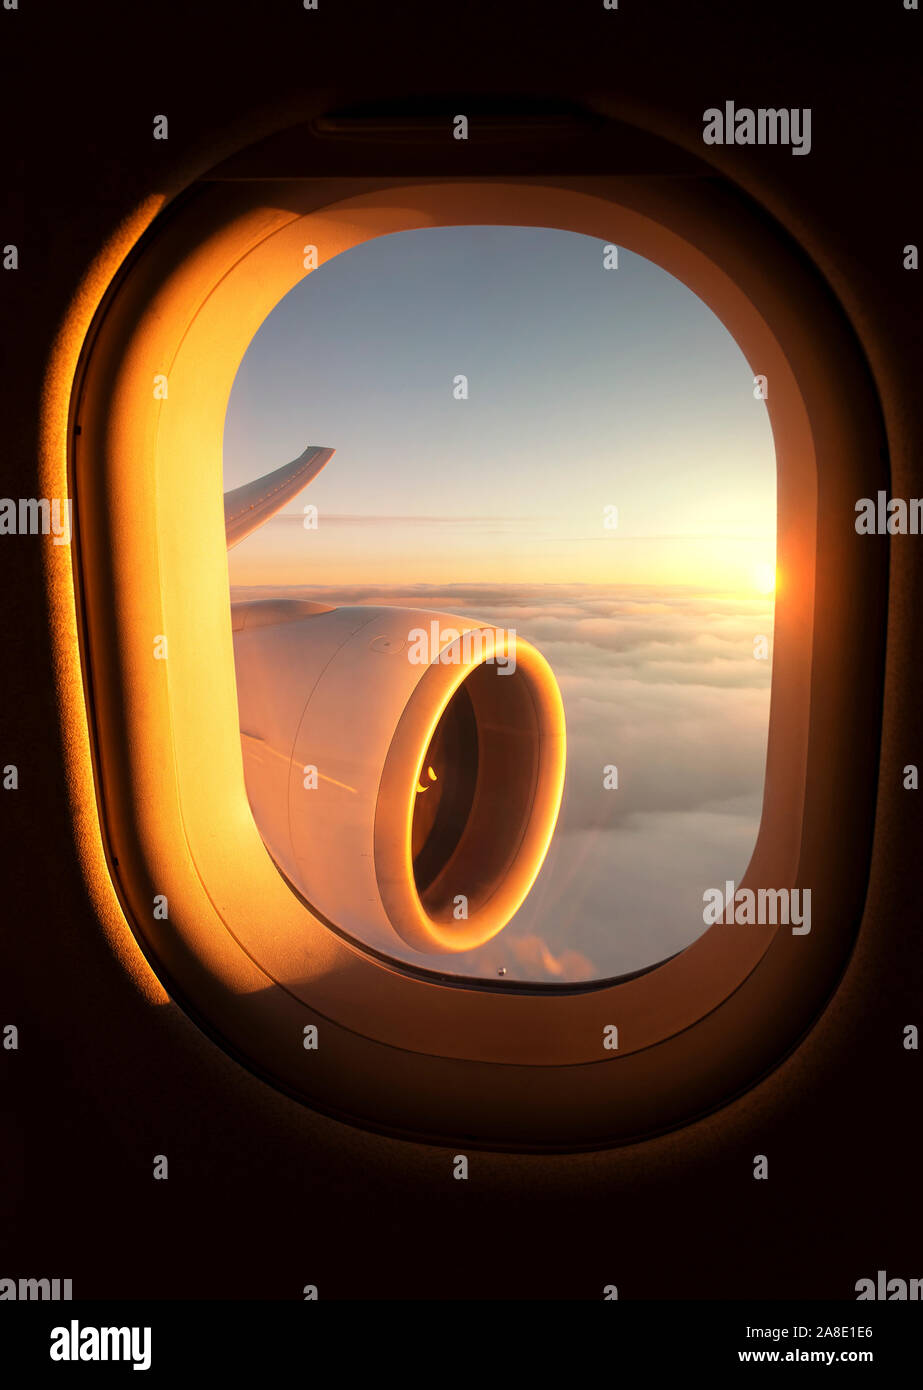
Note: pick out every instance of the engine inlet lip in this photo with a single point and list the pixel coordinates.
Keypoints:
(393, 859)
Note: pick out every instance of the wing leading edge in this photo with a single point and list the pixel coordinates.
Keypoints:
(247, 507)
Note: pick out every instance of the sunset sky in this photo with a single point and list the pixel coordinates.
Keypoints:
(588, 388)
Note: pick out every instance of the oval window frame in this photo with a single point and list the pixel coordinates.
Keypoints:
(404, 1051)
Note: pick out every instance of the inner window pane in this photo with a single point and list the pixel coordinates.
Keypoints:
(556, 437)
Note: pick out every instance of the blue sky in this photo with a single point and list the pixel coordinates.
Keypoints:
(588, 388)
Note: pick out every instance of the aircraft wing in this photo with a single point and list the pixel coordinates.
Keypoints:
(247, 507)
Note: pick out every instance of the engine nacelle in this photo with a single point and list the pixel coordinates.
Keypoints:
(404, 768)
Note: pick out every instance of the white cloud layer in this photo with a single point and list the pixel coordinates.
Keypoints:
(665, 686)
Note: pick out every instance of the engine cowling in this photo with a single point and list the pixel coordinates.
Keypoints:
(405, 768)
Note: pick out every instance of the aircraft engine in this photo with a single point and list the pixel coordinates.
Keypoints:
(404, 767)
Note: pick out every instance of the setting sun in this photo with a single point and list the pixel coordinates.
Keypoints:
(764, 579)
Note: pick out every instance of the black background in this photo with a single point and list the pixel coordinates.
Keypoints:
(265, 1196)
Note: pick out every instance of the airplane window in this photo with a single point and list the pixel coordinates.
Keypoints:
(501, 513)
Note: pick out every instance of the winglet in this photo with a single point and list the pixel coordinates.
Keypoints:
(247, 507)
